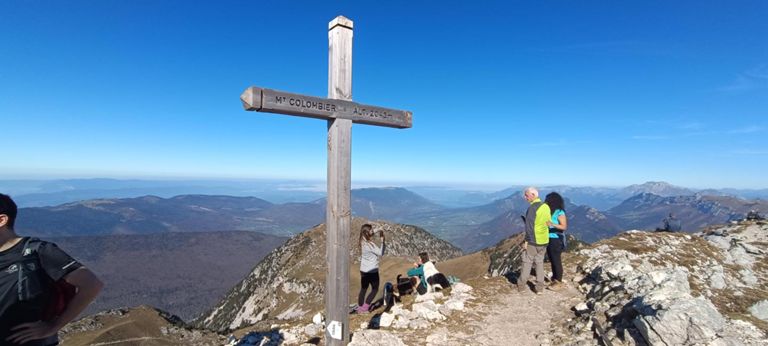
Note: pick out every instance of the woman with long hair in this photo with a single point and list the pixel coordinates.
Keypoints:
(557, 225)
(370, 254)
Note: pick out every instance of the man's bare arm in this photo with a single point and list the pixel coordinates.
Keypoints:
(88, 287)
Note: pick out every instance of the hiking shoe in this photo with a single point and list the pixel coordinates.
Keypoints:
(555, 286)
(364, 309)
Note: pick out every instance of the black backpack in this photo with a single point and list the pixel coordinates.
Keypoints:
(32, 281)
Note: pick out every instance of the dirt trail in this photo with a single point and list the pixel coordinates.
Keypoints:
(524, 319)
(499, 315)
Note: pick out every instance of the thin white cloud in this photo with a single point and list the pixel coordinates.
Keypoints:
(677, 134)
(754, 78)
(302, 187)
(747, 130)
(694, 125)
(749, 152)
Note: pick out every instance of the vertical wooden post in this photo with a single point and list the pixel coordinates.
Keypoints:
(338, 214)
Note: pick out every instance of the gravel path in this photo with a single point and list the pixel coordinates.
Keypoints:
(499, 315)
(524, 319)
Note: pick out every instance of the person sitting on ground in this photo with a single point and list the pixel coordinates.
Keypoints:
(425, 276)
(370, 254)
(670, 224)
(29, 316)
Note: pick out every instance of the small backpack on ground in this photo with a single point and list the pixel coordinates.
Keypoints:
(404, 285)
(453, 280)
(33, 281)
(389, 299)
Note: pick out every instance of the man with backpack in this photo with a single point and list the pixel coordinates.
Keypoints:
(41, 287)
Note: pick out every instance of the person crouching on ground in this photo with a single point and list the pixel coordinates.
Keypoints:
(422, 270)
(370, 255)
(536, 240)
(39, 265)
(557, 225)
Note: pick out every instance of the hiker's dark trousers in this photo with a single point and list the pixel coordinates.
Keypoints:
(554, 252)
(368, 279)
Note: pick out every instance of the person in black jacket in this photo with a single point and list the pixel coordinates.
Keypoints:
(26, 315)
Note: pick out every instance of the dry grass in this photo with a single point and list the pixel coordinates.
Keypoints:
(139, 326)
(737, 307)
(628, 242)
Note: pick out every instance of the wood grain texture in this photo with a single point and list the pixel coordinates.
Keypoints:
(274, 101)
(338, 214)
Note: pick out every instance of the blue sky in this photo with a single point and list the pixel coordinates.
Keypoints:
(584, 93)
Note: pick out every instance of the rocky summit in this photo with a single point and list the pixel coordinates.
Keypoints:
(637, 288)
(676, 289)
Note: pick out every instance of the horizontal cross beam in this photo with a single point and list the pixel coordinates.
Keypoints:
(273, 101)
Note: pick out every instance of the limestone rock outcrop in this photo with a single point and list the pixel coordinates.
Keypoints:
(676, 288)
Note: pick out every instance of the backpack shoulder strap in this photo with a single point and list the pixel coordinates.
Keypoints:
(31, 246)
(29, 254)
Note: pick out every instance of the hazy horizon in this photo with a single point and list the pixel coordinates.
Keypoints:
(320, 184)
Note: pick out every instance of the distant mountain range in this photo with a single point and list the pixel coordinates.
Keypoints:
(150, 214)
(585, 223)
(473, 227)
(202, 213)
(645, 211)
(41, 193)
(478, 227)
(181, 272)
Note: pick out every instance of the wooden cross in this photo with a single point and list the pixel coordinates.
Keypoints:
(340, 112)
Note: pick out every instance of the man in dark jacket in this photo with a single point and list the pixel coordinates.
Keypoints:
(40, 265)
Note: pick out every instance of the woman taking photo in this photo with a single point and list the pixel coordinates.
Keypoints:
(557, 225)
(370, 254)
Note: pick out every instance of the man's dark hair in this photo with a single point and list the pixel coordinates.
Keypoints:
(424, 257)
(555, 201)
(8, 207)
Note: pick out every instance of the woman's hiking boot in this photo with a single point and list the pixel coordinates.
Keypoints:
(364, 309)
